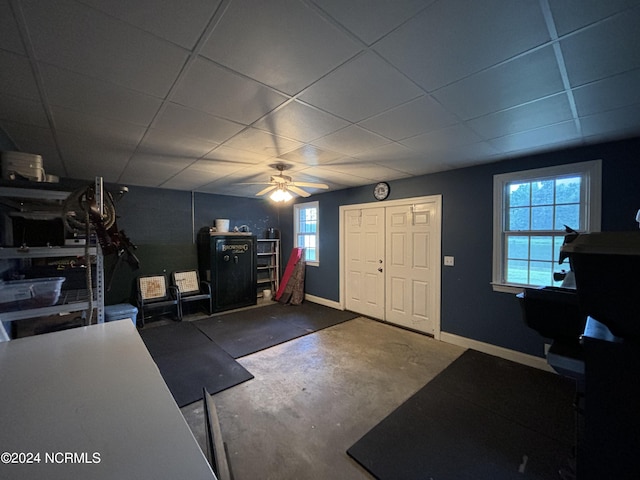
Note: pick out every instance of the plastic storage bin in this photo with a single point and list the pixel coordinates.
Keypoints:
(30, 293)
(607, 270)
(120, 312)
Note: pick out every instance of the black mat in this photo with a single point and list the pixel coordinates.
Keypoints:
(481, 418)
(248, 331)
(188, 361)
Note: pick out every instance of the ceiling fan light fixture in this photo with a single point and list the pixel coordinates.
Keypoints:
(281, 195)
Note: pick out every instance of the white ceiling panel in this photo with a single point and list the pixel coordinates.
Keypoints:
(351, 140)
(549, 110)
(210, 94)
(418, 116)
(109, 49)
(96, 98)
(253, 43)
(570, 15)
(179, 21)
(512, 83)
(608, 94)
(371, 19)
(300, 122)
(606, 49)
(453, 39)
(218, 91)
(361, 88)
(194, 123)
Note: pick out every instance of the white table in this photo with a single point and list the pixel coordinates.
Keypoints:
(91, 403)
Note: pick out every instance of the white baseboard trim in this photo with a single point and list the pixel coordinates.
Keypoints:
(514, 356)
(323, 301)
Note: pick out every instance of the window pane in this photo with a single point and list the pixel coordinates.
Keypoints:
(568, 215)
(557, 245)
(541, 273)
(517, 271)
(518, 219)
(568, 190)
(542, 193)
(542, 248)
(518, 247)
(519, 194)
(542, 218)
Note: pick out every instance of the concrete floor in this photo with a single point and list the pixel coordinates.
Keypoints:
(314, 397)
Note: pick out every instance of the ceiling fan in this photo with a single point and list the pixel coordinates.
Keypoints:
(282, 186)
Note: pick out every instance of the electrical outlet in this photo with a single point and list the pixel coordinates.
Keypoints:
(448, 261)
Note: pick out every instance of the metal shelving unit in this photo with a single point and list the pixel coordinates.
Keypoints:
(69, 300)
(268, 265)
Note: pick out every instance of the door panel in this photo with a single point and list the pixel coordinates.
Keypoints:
(365, 252)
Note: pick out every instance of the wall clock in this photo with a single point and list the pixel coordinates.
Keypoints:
(381, 191)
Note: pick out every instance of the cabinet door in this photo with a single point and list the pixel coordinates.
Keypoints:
(235, 272)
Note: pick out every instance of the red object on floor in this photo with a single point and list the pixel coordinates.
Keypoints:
(296, 255)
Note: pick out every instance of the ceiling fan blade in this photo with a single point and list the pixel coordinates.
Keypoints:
(310, 185)
(266, 190)
(298, 191)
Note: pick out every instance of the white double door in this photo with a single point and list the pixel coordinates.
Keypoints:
(392, 262)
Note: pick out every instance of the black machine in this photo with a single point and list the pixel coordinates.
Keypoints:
(228, 261)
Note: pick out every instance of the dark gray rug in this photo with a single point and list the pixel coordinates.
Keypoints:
(248, 331)
(188, 361)
(484, 418)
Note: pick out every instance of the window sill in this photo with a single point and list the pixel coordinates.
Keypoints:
(506, 288)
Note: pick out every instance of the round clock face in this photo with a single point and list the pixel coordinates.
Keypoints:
(381, 191)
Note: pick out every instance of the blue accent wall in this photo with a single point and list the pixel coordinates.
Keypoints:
(470, 308)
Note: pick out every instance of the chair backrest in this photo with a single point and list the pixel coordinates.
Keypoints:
(187, 281)
(152, 287)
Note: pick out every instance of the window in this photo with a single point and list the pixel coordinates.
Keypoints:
(306, 225)
(531, 209)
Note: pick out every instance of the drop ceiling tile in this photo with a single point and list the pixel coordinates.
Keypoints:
(386, 153)
(364, 169)
(361, 88)
(216, 90)
(28, 138)
(198, 174)
(96, 98)
(263, 143)
(570, 15)
(185, 121)
(443, 139)
(537, 138)
(518, 81)
(311, 155)
(287, 45)
(149, 170)
(608, 94)
(172, 144)
(16, 77)
(371, 19)
(608, 48)
(22, 110)
(350, 141)
(410, 119)
(81, 39)
(453, 39)
(546, 111)
(333, 177)
(9, 33)
(101, 129)
(87, 158)
(225, 153)
(619, 123)
(300, 122)
(179, 21)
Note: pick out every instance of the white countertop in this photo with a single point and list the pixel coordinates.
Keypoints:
(95, 393)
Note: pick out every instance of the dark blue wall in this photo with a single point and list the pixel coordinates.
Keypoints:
(470, 308)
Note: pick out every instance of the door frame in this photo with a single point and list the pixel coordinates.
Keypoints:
(437, 199)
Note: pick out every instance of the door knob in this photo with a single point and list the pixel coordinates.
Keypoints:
(380, 269)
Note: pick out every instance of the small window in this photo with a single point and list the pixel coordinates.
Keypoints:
(531, 210)
(306, 225)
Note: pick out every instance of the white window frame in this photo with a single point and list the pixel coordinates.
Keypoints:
(296, 228)
(591, 188)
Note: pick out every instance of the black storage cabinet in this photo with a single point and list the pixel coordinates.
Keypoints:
(229, 263)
